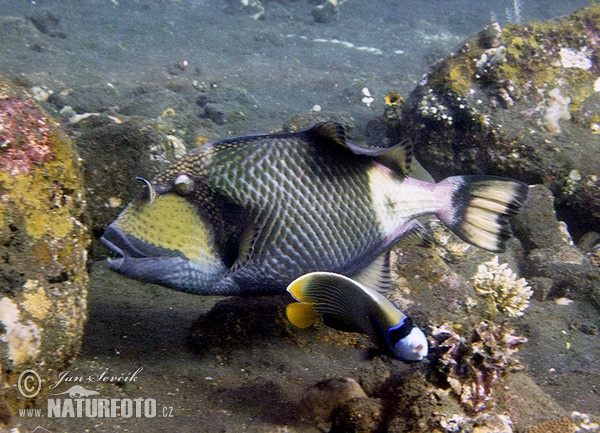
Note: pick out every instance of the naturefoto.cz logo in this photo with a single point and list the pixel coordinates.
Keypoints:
(79, 401)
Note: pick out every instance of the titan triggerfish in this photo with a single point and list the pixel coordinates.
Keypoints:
(248, 215)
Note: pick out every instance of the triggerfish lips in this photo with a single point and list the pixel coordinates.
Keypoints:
(148, 264)
(173, 271)
(165, 242)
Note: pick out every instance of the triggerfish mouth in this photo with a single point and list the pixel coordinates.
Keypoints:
(347, 305)
(249, 215)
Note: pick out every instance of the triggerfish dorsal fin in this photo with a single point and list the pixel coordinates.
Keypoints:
(329, 133)
(398, 158)
(377, 274)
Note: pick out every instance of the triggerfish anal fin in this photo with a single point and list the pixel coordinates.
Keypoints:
(348, 305)
(377, 274)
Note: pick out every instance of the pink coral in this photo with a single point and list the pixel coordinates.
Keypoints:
(24, 136)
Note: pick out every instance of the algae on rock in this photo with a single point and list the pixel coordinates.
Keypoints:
(43, 242)
(521, 102)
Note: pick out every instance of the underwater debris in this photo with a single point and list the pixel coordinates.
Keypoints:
(503, 292)
(394, 108)
(558, 109)
(393, 98)
(368, 98)
(472, 366)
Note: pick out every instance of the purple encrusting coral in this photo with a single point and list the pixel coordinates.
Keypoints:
(473, 365)
(24, 136)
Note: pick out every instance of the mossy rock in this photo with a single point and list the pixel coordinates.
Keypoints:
(524, 102)
(43, 277)
(114, 154)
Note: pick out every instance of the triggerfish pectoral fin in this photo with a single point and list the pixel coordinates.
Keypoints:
(348, 305)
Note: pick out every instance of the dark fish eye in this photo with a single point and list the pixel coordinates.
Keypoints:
(183, 184)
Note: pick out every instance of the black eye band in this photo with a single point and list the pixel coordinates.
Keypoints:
(401, 330)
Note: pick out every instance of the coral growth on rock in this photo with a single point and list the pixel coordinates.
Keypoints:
(519, 101)
(24, 135)
(575, 423)
(499, 284)
(43, 244)
(472, 365)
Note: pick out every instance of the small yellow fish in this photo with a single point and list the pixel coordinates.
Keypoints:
(348, 305)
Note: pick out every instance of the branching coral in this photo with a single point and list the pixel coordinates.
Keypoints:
(472, 366)
(499, 284)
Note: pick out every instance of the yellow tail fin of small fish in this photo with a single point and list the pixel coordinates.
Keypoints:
(301, 314)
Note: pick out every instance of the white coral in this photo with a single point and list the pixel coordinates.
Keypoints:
(503, 290)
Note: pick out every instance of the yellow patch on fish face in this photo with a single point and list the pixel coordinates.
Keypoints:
(170, 222)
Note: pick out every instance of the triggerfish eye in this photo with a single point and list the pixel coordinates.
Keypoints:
(183, 184)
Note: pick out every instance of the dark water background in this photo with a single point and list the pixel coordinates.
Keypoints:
(276, 60)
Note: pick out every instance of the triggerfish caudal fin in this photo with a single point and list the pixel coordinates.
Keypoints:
(480, 208)
(347, 305)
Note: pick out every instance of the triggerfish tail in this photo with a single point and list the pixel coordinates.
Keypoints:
(347, 305)
(480, 206)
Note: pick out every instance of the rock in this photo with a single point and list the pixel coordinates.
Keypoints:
(43, 243)
(254, 8)
(526, 402)
(326, 12)
(537, 225)
(528, 108)
(322, 399)
(552, 262)
(228, 106)
(114, 154)
(47, 23)
(359, 415)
